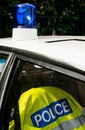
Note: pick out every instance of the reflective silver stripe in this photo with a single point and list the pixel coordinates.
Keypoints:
(71, 124)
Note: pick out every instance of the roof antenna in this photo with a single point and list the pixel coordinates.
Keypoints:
(54, 32)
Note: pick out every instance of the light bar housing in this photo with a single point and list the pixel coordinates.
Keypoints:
(24, 22)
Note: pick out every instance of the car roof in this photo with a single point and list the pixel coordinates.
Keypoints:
(62, 50)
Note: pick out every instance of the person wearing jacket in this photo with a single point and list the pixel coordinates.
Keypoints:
(50, 108)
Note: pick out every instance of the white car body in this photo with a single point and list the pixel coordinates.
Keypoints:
(46, 60)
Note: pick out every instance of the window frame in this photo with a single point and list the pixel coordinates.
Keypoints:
(15, 60)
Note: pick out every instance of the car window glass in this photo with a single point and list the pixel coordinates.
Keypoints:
(3, 59)
(2, 63)
(33, 75)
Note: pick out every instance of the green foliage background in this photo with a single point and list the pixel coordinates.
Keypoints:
(63, 17)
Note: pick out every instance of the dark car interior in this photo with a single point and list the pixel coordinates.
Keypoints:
(33, 76)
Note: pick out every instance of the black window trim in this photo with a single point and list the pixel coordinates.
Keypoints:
(74, 73)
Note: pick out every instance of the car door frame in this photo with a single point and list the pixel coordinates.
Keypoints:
(7, 84)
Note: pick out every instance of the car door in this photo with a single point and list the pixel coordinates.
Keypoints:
(8, 64)
(21, 73)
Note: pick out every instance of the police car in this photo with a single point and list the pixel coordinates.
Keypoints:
(28, 61)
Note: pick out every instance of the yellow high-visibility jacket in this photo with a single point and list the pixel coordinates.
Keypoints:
(50, 108)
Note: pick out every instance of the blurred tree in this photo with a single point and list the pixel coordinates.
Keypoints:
(64, 16)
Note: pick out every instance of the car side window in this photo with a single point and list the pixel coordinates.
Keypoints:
(33, 76)
(3, 59)
(2, 63)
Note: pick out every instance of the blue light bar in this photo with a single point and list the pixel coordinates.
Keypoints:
(25, 16)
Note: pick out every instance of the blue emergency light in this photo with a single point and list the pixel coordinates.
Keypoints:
(25, 16)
